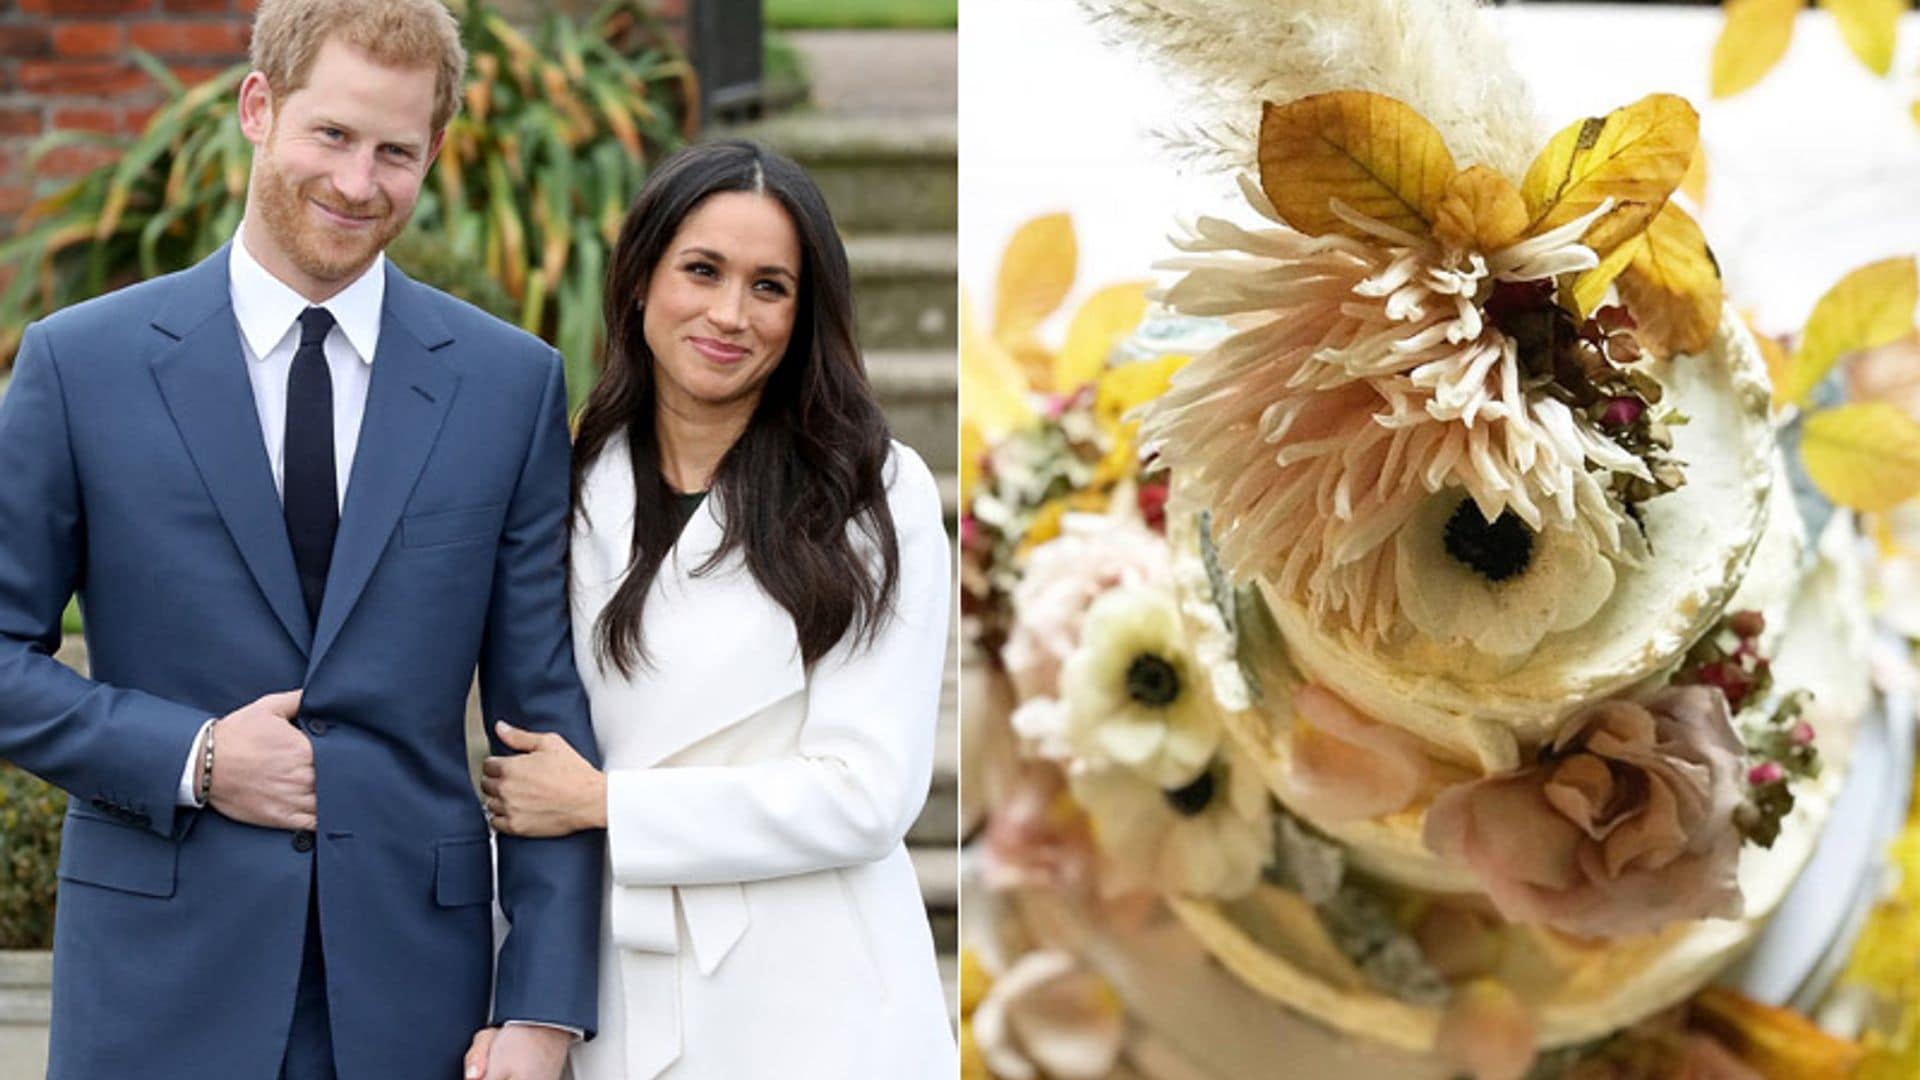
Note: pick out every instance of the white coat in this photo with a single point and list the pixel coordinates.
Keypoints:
(762, 917)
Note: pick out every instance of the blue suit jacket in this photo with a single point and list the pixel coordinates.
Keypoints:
(132, 470)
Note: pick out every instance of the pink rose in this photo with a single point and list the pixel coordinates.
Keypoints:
(1626, 824)
(1063, 577)
(1037, 837)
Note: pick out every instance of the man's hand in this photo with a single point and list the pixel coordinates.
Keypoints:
(517, 1052)
(263, 765)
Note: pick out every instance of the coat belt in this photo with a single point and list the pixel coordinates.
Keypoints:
(647, 924)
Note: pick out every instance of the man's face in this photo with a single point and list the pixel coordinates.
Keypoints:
(337, 165)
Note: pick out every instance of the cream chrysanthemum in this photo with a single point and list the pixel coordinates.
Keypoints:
(1367, 377)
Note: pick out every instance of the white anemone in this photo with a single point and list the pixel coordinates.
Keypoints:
(1135, 694)
(1556, 581)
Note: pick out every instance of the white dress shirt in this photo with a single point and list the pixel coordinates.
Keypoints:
(267, 312)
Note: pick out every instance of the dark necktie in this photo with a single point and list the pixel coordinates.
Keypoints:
(309, 495)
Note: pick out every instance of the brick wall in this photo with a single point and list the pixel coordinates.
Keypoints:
(66, 64)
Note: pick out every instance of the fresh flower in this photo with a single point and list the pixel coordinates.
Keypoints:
(1048, 1016)
(1209, 837)
(1037, 836)
(1371, 380)
(1134, 691)
(1625, 825)
(1499, 586)
(1093, 554)
(1346, 766)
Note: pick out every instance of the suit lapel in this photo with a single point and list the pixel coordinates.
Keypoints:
(407, 400)
(202, 374)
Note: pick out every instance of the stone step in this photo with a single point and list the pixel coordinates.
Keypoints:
(938, 869)
(919, 390)
(880, 174)
(949, 498)
(950, 982)
(905, 289)
(939, 820)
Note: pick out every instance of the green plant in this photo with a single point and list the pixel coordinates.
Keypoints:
(860, 14)
(557, 134)
(30, 816)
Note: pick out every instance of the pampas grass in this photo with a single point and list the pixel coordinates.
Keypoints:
(1442, 57)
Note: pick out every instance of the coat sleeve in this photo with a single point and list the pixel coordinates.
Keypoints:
(865, 748)
(121, 751)
(551, 889)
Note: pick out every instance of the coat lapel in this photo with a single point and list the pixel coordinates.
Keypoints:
(407, 400)
(720, 649)
(202, 374)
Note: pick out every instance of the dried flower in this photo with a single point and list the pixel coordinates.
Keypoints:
(1369, 377)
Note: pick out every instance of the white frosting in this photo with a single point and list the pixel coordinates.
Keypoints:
(1482, 709)
(1391, 847)
(1582, 991)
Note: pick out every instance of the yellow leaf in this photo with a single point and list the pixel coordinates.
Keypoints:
(1865, 457)
(1672, 287)
(973, 1064)
(1870, 306)
(1106, 317)
(1373, 153)
(973, 446)
(1775, 1041)
(1127, 387)
(1914, 110)
(1036, 272)
(993, 392)
(1867, 26)
(1695, 182)
(1634, 155)
(1590, 287)
(974, 981)
(1479, 210)
(1752, 40)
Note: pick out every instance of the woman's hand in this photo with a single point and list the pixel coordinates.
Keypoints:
(547, 789)
(526, 1053)
(475, 1065)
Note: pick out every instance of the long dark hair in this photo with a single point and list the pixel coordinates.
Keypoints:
(811, 458)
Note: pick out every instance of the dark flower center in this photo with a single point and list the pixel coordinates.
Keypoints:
(1192, 799)
(1497, 550)
(1152, 681)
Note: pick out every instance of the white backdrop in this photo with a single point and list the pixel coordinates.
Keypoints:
(1811, 173)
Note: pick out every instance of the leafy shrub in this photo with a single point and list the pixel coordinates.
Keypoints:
(30, 815)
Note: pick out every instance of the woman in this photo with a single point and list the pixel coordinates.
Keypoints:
(760, 584)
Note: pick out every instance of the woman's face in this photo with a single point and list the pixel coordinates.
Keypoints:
(719, 307)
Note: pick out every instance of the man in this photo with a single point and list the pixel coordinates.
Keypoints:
(301, 494)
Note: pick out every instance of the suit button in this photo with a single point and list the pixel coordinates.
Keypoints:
(303, 841)
(98, 803)
(316, 727)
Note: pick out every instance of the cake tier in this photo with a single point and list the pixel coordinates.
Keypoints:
(1483, 710)
(1390, 846)
(1578, 989)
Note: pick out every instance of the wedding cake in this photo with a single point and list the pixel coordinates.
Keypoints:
(1412, 656)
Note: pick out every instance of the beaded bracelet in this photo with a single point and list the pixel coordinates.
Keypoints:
(206, 766)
